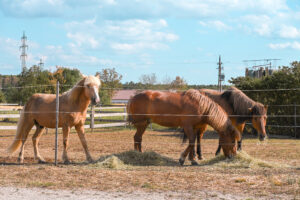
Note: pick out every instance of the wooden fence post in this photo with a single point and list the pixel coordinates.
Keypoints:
(295, 120)
(125, 116)
(57, 118)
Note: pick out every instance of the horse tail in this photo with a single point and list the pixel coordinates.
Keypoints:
(129, 112)
(18, 138)
(184, 137)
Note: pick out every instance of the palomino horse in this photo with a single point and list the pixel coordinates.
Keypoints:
(240, 108)
(188, 110)
(40, 111)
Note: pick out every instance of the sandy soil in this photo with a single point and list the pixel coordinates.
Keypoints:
(153, 182)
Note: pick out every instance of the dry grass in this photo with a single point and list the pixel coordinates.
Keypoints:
(271, 168)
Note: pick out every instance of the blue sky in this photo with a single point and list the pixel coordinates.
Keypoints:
(165, 37)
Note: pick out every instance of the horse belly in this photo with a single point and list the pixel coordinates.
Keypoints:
(167, 121)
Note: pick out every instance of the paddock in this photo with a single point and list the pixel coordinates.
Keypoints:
(278, 182)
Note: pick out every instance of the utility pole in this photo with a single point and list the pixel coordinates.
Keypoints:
(41, 64)
(221, 75)
(23, 48)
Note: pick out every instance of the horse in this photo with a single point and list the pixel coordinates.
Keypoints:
(40, 110)
(189, 110)
(241, 109)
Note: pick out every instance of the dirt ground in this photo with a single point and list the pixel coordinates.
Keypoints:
(166, 182)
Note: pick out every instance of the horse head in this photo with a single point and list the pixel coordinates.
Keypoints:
(91, 88)
(228, 141)
(259, 119)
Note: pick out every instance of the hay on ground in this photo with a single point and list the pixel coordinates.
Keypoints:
(241, 160)
(111, 162)
(136, 158)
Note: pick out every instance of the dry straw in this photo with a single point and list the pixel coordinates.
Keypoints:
(241, 160)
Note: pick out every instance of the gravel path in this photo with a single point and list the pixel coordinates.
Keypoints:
(13, 193)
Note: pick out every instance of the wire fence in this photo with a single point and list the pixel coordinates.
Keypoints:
(117, 116)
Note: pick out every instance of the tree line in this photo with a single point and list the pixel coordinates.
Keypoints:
(276, 90)
(18, 88)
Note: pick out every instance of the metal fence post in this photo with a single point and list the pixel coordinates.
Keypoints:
(56, 123)
(92, 115)
(295, 120)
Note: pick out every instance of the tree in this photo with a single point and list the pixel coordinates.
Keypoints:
(110, 81)
(2, 97)
(179, 83)
(67, 78)
(275, 90)
(148, 80)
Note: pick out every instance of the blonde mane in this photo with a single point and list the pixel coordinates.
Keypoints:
(73, 93)
(214, 114)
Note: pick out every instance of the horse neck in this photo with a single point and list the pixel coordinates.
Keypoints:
(217, 117)
(77, 99)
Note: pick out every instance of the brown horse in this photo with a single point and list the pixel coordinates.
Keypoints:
(241, 109)
(188, 110)
(40, 111)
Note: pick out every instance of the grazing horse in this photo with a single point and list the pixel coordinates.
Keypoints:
(240, 108)
(40, 111)
(188, 110)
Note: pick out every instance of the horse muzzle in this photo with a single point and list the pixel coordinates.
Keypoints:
(262, 137)
(95, 101)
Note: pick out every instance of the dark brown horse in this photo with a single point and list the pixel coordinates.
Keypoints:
(189, 110)
(241, 109)
(40, 111)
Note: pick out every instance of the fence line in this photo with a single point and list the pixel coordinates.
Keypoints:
(132, 88)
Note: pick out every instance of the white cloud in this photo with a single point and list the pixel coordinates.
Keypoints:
(293, 45)
(83, 39)
(128, 35)
(289, 32)
(260, 24)
(217, 24)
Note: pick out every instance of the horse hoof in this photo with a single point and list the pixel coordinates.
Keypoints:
(66, 162)
(194, 163)
(201, 158)
(181, 161)
(42, 162)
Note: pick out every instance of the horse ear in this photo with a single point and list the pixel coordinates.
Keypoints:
(83, 76)
(97, 76)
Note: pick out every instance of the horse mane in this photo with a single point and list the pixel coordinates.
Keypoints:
(241, 103)
(214, 114)
(74, 93)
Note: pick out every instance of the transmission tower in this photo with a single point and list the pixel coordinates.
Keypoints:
(41, 64)
(221, 75)
(23, 48)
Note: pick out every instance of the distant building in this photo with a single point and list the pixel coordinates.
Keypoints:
(122, 96)
(258, 73)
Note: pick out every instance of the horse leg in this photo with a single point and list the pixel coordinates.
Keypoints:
(80, 132)
(140, 130)
(26, 130)
(200, 134)
(190, 149)
(240, 127)
(219, 149)
(35, 141)
(66, 131)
